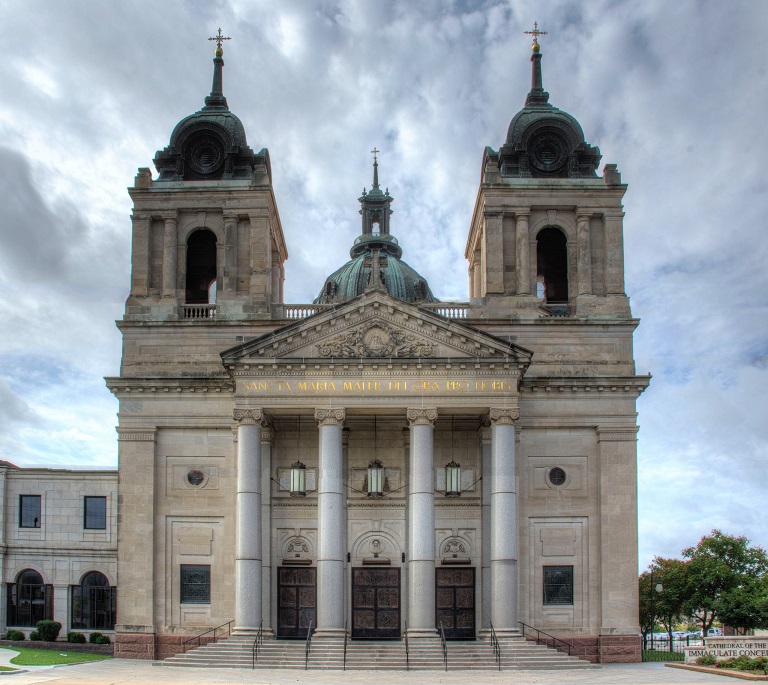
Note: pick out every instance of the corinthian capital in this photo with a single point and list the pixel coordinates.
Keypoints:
(504, 416)
(330, 417)
(422, 417)
(249, 417)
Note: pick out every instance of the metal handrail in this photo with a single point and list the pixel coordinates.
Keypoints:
(555, 640)
(256, 643)
(346, 637)
(496, 646)
(210, 630)
(445, 646)
(407, 655)
(308, 647)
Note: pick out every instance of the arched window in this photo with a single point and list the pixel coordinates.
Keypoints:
(201, 267)
(552, 265)
(29, 600)
(94, 603)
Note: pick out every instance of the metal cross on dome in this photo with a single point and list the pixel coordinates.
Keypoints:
(219, 38)
(535, 33)
(375, 152)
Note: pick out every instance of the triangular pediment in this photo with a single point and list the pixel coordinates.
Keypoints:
(375, 326)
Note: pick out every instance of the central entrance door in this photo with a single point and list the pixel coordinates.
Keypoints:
(296, 601)
(455, 602)
(376, 603)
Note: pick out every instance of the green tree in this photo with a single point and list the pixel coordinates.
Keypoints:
(726, 578)
(664, 605)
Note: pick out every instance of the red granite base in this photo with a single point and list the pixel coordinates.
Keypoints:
(608, 649)
(151, 646)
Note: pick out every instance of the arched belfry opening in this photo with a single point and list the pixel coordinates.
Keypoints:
(552, 265)
(201, 267)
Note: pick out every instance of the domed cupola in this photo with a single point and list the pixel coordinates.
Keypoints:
(542, 140)
(375, 262)
(209, 145)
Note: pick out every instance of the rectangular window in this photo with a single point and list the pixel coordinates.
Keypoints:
(29, 511)
(558, 585)
(195, 584)
(95, 517)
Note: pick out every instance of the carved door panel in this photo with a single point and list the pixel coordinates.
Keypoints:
(296, 601)
(455, 602)
(376, 603)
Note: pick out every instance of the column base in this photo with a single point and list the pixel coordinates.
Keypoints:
(328, 634)
(422, 633)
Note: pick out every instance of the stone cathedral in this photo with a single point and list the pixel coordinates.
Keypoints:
(378, 462)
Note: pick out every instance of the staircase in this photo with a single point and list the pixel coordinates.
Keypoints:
(424, 654)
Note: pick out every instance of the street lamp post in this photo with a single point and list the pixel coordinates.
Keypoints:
(659, 587)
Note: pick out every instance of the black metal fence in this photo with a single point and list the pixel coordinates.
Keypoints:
(656, 648)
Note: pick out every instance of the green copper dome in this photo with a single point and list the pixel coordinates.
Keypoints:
(375, 262)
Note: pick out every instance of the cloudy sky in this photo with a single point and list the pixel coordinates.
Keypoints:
(675, 93)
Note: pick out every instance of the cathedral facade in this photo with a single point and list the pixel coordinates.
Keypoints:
(378, 462)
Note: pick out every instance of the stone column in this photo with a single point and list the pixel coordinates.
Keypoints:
(248, 532)
(421, 524)
(583, 255)
(330, 526)
(617, 448)
(170, 239)
(136, 560)
(522, 253)
(614, 253)
(229, 281)
(267, 440)
(477, 275)
(485, 525)
(503, 560)
(494, 252)
(140, 255)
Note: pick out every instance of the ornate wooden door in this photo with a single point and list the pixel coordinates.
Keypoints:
(376, 603)
(296, 601)
(455, 602)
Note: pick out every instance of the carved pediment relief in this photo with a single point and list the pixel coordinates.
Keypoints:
(377, 339)
(375, 326)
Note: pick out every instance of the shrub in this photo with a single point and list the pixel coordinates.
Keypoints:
(93, 638)
(101, 640)
(48, 630)
(706, 660)
(16, 635)
(79, 638)
(35, 636)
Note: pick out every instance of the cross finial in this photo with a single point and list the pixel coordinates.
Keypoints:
(375, 152)
(535, 33)
(219, 38)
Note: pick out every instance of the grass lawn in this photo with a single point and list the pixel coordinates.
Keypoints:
(656, 655)
(50, 657)
(6, 668)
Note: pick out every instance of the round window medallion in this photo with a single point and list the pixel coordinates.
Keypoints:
(205, 154)
(557, 476)
(195, 477)
(548, 152)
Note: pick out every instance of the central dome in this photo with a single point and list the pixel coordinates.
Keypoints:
(375, 262)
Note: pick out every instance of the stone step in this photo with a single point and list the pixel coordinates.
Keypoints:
(425, 654)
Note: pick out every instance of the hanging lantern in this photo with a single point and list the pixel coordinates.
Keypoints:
(375, 479)
(298, 479)
(452, 479)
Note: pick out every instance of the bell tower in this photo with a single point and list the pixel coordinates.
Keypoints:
(207, 239)
(546, 233)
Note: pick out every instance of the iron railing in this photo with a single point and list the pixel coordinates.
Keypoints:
(556, 641)
(256, 644)
(444, 646)
(346, 637)
(407, 654)
(184, 645)
(496, 647)
(308, 646)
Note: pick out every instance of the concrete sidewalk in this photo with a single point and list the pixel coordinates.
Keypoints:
(126, 671)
